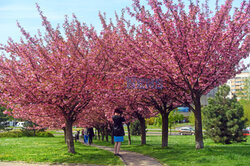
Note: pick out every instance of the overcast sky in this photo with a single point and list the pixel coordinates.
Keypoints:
(86, 10)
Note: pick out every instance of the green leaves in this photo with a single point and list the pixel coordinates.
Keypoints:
(223, 118)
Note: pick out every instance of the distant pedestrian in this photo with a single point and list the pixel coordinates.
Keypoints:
(91, 134)
(77, 136)
(86, 137)
(118, 130)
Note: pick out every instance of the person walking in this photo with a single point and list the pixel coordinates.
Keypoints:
(77, 136)
(83, 134)
(91, 134)
(118, 130)
(86, 136)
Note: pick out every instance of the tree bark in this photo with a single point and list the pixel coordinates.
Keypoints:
(64, 132)
(102, 132)
(106, 134)
(143, 130)
(69, 137)
(112, 138)
(198, 125)
(129, 134)
(98, 133)
(112, 133)
(164, 129)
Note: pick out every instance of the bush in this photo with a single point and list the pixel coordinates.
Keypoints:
(135, 128)
(44, 134)
(150, 121)
(224, 118)
(11, 134)
(158, 120)
(26, 133)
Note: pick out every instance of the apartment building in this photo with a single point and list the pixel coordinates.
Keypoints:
(237, 84)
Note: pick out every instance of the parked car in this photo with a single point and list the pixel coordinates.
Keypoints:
(186, 131)
(20, 124)
(246, 131)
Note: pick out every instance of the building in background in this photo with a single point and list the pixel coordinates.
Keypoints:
(204, 98)
(237, 84)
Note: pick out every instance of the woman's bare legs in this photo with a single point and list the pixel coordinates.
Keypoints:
(115, 148)
(118, 147)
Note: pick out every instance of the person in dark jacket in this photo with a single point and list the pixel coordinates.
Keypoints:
(91, 134)
(118, 130)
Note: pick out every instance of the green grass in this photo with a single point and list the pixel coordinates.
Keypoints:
(182, 152)
(52, 150)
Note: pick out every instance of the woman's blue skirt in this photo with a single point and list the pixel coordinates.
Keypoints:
(118, 138)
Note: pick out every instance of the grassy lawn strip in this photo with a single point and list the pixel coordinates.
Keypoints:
(181, 151)
(52, 150)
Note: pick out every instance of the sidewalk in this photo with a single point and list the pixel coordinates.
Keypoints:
(133, 158)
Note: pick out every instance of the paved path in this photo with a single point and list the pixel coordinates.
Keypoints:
(132, 158)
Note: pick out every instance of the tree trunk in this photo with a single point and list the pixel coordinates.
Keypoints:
(112, 138)
(143, 130)
(164, 130)
(112, 133)
(129, 135)
(102, 133)
(69, 137)
(106, 133)
(64, 132)
(98, 133)
(198, 125)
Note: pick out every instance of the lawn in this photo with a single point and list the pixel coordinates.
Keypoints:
(181, 151)
(52, 150)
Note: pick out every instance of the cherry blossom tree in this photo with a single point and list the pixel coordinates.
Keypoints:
(53, 74)
(164, 103)
(193, 50)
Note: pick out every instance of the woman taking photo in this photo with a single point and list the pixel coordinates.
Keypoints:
(118, 130)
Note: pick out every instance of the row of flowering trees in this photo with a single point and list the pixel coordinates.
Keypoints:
(71, 75)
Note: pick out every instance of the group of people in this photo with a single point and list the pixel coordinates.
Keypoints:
(87, 135)
(118, 132)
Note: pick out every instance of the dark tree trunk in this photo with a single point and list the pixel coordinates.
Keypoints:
(64, 132)
(102, 132)
(112, 138)
(106, 134)
(98, 133)
(198, 125)
(164, 129)
(129, 135)
(69, 137)
(112, 134)
(143, 130)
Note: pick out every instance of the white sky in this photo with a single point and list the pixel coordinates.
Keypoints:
(86, 10)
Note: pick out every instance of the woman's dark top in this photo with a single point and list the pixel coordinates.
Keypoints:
(118, 127)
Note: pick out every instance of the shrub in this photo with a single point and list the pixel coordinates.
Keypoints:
(44, 134)
(136, 128)
(224, 118)
(150, 121)
(26, 133)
